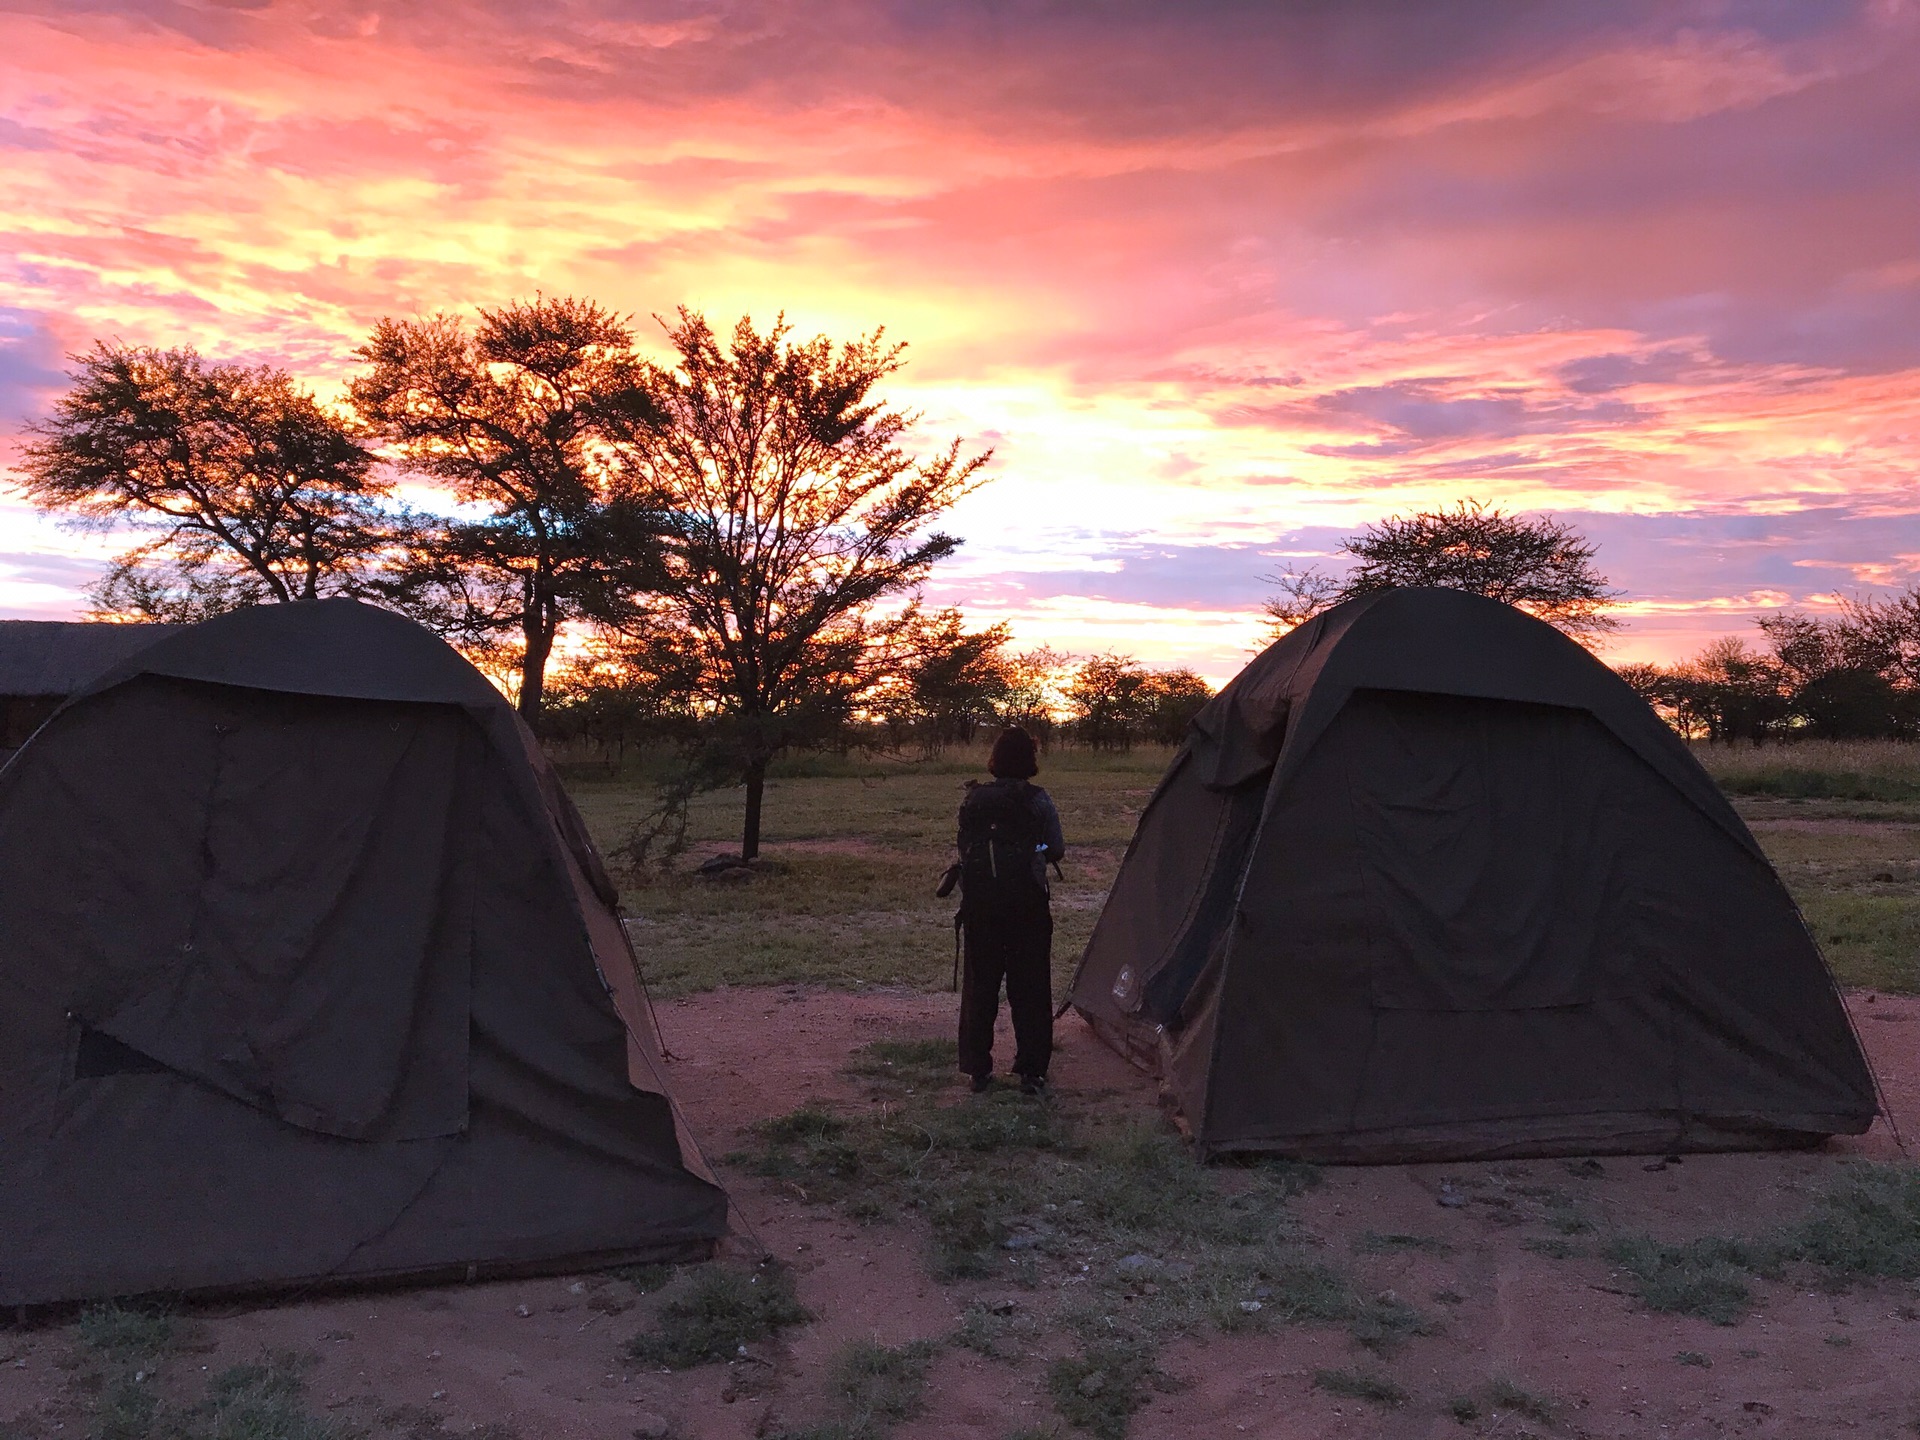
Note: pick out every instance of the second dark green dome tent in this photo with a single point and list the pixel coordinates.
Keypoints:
(310, 973)
(1429, 881)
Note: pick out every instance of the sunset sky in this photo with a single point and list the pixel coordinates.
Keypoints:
(1218, 282)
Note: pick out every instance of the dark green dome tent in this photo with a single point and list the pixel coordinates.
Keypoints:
(309, 972)
(1429, 881)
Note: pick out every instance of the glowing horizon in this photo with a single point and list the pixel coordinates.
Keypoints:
(1217, 285)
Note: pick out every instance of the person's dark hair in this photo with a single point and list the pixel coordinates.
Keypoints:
(1014, 756)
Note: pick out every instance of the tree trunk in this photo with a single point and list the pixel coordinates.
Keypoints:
(756, 787)
(533, 668)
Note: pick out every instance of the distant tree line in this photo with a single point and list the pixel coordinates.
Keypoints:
(1851, 675)
(740, 534)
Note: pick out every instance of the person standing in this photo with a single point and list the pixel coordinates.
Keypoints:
(1009, 834)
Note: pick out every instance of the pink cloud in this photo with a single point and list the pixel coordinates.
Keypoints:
(1215, 275)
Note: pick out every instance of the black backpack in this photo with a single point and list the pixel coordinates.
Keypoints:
(1000, 828)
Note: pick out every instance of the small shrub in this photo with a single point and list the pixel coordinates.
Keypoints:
(1099, 1390)
(1288, 1177)
(1352, 1385)
(644, 1278)
(1694, 1358)
(1464, 1408)
(1382, 1325)
(877, 1383)
(1373, 1243)
(1505, 1395)
(988, 1331)
(262, 1402)
(1555, 1248)
(1307, 1291)
(1706, 1277)
(722, 1310)
(127, 1410)
(1866, 1223)
(120, 1333)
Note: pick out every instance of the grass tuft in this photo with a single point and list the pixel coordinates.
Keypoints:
(917, 1064)
(1505, 1395)
(722, 1310)
(878, 1383)
(644, 1278)
(1099, 1390)
(1866, 1223)
(262, 1402)
(1706, 1277)
(1374, 1243)
(246, 1402)
(1353, 1385)
(118, 1332)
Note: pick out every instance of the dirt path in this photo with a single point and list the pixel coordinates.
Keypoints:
(542, 1358)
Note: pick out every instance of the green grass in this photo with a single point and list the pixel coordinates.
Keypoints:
(1863, 1224)
(874, 1387)
(123, 1353)
(995, 1330)
(721, 1310)
(1708, 1277)
(1374, 1243)
(1106, 1226)
(1356, 1385)
(1882, 770)
(1505, 1395)
(121, 1333)
(855, 855)
(1099, 1390)
(1871, 941)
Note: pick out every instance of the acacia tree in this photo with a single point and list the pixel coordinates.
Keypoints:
(247, 488)
(950, 680)
(1542, 565)
(786, 509)
(524, 415)
(1115, 700)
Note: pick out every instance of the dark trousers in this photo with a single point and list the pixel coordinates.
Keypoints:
(1016, 948)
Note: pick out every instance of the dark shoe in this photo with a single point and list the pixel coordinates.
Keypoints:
(1033, 1084)
(981, 1084)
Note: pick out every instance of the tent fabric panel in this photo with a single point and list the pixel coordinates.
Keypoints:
(65, 891)
(1295, 1011)
(1156, 894)
(1764, 1023)
(324, 972)
(1166, 984)
(1435, 1068)
(1442, 642)
(518, 1195)
(156, 1182)
(180, 1188)
(1498, 860)
(338, 648)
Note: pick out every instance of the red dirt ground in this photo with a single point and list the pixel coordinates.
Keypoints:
(1805, 1364)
